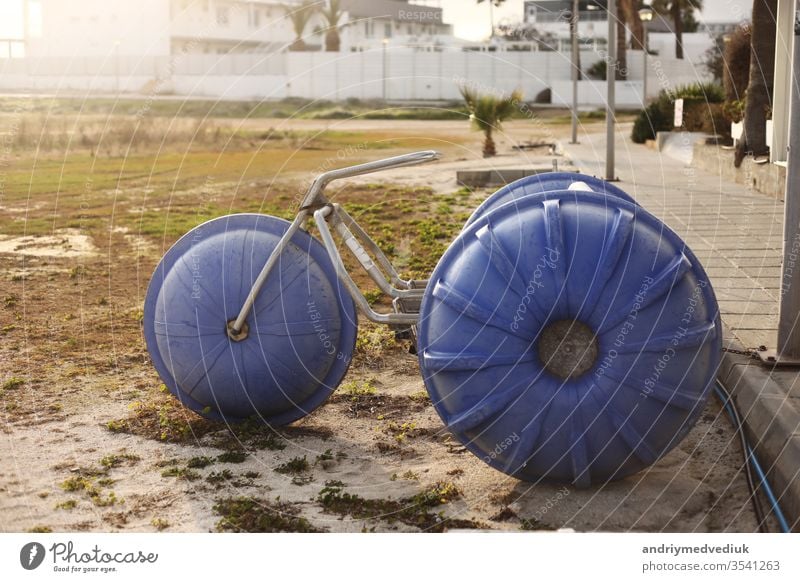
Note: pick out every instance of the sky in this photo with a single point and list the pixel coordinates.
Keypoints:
(469, 19)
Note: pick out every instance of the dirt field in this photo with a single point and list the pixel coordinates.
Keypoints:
(91, 441)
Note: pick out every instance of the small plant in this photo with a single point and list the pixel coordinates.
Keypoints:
(358, 390)
(111, 461)
(199, 462)
(326, 456)
(68, 504)
(249, 514)
(217, 477)
(159, 523)
(181, 473)
(10, 301)
(78, 483)
(487, 112)
(420, 396)
(13, 383)
(402, 431)
(293, 466)
(232, 457)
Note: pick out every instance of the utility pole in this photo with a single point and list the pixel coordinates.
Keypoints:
(611, 77)
(575, 69)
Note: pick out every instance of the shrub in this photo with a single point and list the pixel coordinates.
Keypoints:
(598, 71)
(702, 111)
(657, 116)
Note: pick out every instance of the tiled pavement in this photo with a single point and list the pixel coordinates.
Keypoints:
(736, 234)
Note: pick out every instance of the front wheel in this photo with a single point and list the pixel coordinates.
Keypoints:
(298, 339)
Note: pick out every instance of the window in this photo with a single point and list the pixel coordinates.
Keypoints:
(387, 30)
(368, 28)
(223, 15)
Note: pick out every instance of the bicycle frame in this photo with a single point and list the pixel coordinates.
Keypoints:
(406, 294)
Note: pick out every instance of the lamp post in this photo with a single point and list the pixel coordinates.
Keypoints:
(116, 66)
(573, 25)
(383, 68)
(646, 15)
(611, 77)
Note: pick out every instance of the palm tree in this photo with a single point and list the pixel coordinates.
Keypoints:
(332, 14)
(492, 3)
(300, 15)
(487, 112)
(680, 11)
(629, 13)
(759, 86)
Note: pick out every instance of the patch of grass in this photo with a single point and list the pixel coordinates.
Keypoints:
(216, 477)
(80, 483)
(421, 396)
(162, 418)
(253, 434)
(77, 483)
(402, 431)
(10, 301)
(159, 523)
(414, 511)
(327, 455)
(232, 457)
(293, 466)
(254, 515)
(358, 390)
(183, 473)
(68, 504)
(112, 461)
(40, 529)
(13, 383)
(199, 462)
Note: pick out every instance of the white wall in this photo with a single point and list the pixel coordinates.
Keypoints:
(394, 75)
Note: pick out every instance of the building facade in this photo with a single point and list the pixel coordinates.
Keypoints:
(98, 28)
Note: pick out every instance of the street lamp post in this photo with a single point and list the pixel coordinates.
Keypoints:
(383, 67)
(575, 69)
(611, 77)
(646, 15)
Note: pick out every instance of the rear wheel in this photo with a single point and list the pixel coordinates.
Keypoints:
(569, 336)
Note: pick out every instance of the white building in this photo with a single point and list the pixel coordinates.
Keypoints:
(395, 23)
(97, 28)
(552, 17)
(158, 27)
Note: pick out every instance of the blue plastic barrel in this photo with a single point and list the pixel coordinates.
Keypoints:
(545, 182)
(570, 337)
(300, 334)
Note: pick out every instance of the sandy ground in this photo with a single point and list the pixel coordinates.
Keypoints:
(74, 366)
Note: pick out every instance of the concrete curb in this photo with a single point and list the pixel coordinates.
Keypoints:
(772, 423)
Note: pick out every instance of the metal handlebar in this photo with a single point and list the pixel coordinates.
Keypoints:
(319, 183)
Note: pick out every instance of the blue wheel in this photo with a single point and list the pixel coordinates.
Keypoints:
(300, 334)
(546, 182)
(569, 337)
